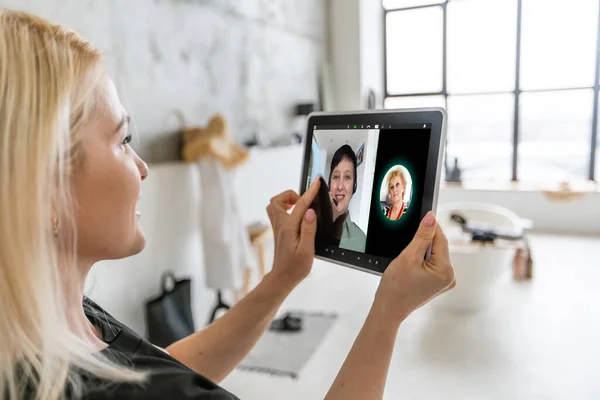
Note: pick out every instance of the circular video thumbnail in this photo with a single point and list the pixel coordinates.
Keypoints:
(396, 192)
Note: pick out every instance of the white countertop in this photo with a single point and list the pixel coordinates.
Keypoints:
(536, 340)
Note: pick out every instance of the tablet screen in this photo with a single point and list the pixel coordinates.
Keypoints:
(371, 199)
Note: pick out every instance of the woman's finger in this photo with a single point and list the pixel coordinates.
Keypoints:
(284, 201)
(440, 244)
(304, 202)
(423, 237)
(308, 229)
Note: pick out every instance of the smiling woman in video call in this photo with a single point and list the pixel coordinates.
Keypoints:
(396, 184)
(342, 186)
(69, 184)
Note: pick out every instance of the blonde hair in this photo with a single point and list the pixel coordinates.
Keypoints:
(396, 172)
(48, 75)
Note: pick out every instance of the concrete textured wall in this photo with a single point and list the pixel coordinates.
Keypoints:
(251, 60)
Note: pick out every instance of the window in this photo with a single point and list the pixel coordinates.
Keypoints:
(554, 133)
(417, 64)
(415, 101)
(519, 79)
(480, 135)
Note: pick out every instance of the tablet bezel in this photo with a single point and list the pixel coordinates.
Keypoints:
(436, 116)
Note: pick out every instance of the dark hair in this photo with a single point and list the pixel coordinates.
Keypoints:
(344, 152)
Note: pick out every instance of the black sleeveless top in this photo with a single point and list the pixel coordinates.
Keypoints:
(168, 378)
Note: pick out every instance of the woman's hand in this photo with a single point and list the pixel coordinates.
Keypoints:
(410, 281)
(294, 235)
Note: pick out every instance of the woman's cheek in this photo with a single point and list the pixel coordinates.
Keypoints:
(347, 202)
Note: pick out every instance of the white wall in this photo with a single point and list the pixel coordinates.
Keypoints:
(371, 50)
(369, 171)
(355, 44)
(360, 204)
(319, 161)
(267, 173)
(250, 60)
(343, 18)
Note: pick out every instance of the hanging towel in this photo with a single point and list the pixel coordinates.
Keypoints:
(227, 247)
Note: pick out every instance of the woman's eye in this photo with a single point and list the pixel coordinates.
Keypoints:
(127, 140)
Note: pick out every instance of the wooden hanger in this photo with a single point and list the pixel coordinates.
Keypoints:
(212, 141)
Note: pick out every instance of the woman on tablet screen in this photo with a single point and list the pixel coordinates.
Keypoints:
(396, 184)
(342, 186)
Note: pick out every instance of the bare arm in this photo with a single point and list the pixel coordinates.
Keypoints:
(365, 370)
(216, 350)
(408, 283)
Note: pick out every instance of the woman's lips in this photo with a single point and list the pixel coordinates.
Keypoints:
(337, 199)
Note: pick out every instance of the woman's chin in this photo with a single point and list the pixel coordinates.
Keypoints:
(340, 212)
(139, 243)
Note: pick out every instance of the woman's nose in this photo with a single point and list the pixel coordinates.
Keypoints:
(144, 171)
(143, 167)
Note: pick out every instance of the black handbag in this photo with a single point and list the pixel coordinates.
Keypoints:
(169, 316)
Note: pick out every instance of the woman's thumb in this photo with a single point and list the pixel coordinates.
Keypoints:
(308, 229)
(424, 235)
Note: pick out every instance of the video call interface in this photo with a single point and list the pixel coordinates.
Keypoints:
(371, 194)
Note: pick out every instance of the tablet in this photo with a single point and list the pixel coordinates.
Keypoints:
(380, 174)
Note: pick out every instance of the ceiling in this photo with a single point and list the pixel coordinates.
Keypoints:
(333, 139)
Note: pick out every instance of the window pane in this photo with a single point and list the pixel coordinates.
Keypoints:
(480, 136)
(482, 45)
(415, 102)
(414, 51)
(555, 129)
(409, 3)
(558, 48)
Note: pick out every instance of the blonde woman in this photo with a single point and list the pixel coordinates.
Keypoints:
(69, 183)
(396, 184)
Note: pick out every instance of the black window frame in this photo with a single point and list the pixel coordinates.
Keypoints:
(517, 90)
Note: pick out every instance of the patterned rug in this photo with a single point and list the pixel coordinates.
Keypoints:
(286, 353)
